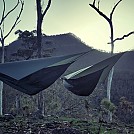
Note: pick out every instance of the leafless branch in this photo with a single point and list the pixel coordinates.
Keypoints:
(16, 21)
(100, 13)
(123, 37)
(48, 6)
(4, 16)
(99, 4)
(1, 34)
(111, 14)
(94, 2)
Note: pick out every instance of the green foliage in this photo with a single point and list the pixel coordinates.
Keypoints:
(107, 105)
(85, 126)
(27, 101)
(28, 38)
(52, 101)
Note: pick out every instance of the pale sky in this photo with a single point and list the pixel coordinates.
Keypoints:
(77, 17)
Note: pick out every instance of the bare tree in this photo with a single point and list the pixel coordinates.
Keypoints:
(3, 36)
(96, 6)
(40, 16)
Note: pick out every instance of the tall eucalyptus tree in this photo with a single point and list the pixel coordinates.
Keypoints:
(96, 6)
(40, 16)
(4, 35)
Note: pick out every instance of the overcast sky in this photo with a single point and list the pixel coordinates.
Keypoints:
(76, 16)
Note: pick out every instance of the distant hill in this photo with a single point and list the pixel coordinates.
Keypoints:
(63, 44)
(68, 43)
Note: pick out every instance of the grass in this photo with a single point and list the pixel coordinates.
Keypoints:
(85, 126)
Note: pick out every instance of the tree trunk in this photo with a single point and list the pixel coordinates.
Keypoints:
(110, 77)
(109, 84)
(17, 103)
(1, 83)
(39, 44)
(39, 37)
(1, 97)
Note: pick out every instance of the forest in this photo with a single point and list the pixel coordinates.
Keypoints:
(55, 110)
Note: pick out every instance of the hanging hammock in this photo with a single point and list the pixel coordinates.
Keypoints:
(33, 76)
(84, 81)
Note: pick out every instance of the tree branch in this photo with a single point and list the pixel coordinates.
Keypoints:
(123, 37)
(99, 4)
(48, 6)
(108, 20)
(111, 14)
(16, 21)
(4, 16)
(100, 13)
(94, 2)
(1, 34)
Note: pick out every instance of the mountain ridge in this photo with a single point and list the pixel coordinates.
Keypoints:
(68, 43)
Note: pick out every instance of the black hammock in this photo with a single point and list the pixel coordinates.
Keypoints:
(33, 76)
(84, 81)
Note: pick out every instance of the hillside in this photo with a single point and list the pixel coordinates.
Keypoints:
(65, 44)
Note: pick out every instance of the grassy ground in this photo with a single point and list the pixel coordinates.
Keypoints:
(24, 125)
